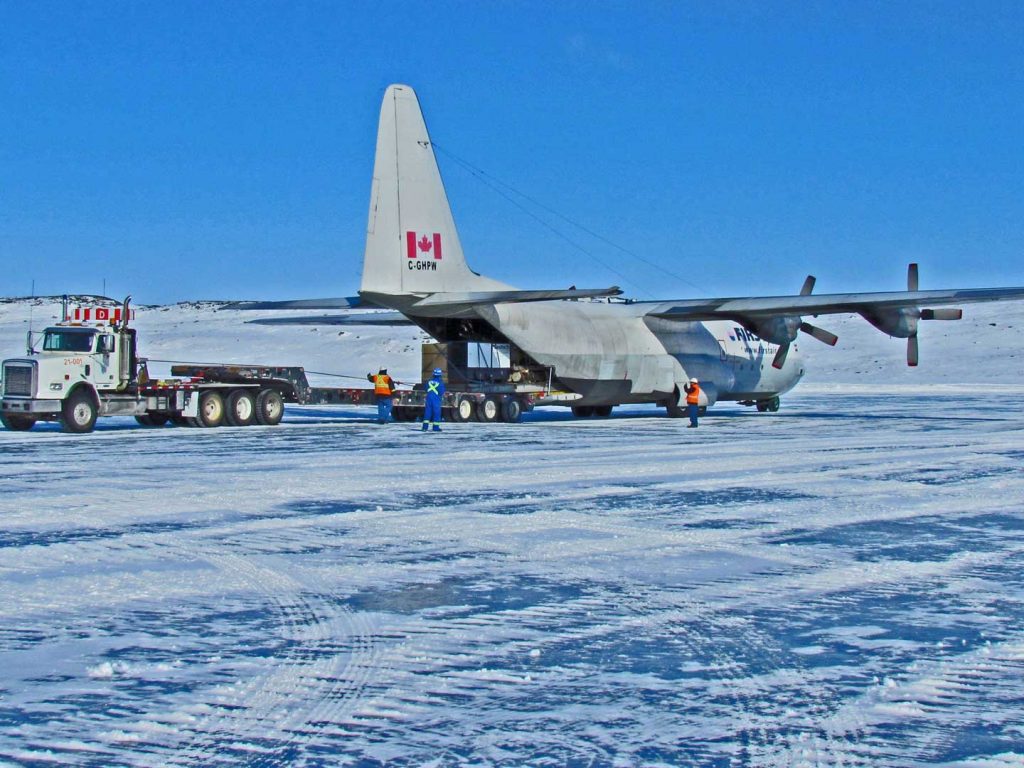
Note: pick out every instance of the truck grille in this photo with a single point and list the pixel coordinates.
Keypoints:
(18, 380)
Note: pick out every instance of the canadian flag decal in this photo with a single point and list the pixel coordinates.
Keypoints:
(421, 246)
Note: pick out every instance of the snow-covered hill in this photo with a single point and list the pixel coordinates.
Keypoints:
(986, 347)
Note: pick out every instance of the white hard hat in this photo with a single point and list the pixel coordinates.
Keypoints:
(694, 381)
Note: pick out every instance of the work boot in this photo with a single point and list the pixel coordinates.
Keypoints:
(424, 428)
(437, 428)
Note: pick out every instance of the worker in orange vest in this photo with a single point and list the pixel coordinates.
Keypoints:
(383, 388)
(692, 401)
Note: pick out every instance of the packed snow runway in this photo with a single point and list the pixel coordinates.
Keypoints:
(836, 584)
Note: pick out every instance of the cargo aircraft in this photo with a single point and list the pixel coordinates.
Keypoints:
(589, 348)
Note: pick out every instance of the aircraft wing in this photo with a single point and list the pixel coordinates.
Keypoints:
(822, 304)
(778, 319)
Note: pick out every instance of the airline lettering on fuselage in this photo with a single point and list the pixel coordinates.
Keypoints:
(741, 334)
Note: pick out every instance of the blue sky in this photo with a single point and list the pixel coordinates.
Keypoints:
(202, 150)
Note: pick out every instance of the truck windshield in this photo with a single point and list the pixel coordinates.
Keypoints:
(67, 340)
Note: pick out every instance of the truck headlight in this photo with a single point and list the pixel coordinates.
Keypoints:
(57, 386)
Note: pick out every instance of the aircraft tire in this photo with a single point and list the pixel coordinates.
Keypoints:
(240, 408)
(773, 404)
(269, 407)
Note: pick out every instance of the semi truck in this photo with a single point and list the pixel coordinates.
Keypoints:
(89, 367)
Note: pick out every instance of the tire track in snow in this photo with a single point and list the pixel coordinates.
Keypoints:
(324, 671)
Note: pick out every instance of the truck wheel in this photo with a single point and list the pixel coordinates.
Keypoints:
(489, 411)
(603, 411)
(78, 414)
(512, 410)
(180, 421)
(463, 411)
(211, 410)
(152, 419)
(17, 423)
(241, 408)
(269, 407)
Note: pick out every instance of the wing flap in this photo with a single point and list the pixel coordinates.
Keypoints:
(474, 298)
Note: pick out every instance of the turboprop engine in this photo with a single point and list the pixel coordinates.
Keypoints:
(783, 329)
(901, 322)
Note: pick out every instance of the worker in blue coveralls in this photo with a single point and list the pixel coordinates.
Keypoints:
(432, 411)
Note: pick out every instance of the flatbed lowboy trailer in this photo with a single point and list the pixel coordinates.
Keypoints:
(90, 369)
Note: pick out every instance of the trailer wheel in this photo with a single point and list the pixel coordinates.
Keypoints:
(211, 410)
(603, 411)
(17, 423)
(404, 413)
(463, 411)
(152, 419)
(489, 411)
(78, 413)
(269, 407)
(512, 410)
(582, 411)
(180, 421)
(241, 408)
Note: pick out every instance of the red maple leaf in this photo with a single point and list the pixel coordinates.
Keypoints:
(424, 244)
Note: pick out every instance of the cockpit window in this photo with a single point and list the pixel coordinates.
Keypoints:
(66, 340)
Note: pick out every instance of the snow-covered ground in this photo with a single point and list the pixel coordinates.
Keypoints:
(839, 583)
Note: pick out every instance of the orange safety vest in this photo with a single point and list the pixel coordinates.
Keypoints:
(693, 395)
(382, 384)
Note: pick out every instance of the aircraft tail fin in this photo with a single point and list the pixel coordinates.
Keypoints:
(412, 246)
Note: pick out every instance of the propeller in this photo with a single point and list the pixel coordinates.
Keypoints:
(913, 350)
(811, 330)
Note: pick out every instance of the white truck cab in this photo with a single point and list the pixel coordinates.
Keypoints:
(88, 367)
(78, 366)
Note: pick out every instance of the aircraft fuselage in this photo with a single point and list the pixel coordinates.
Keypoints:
(611, 353)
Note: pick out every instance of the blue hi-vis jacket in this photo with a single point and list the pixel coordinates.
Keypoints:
(435, 389)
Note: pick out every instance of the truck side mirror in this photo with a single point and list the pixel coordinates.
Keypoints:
(106, 344)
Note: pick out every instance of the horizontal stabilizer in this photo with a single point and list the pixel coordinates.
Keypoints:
(472, 298)
(344, 302)
(354, 318)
